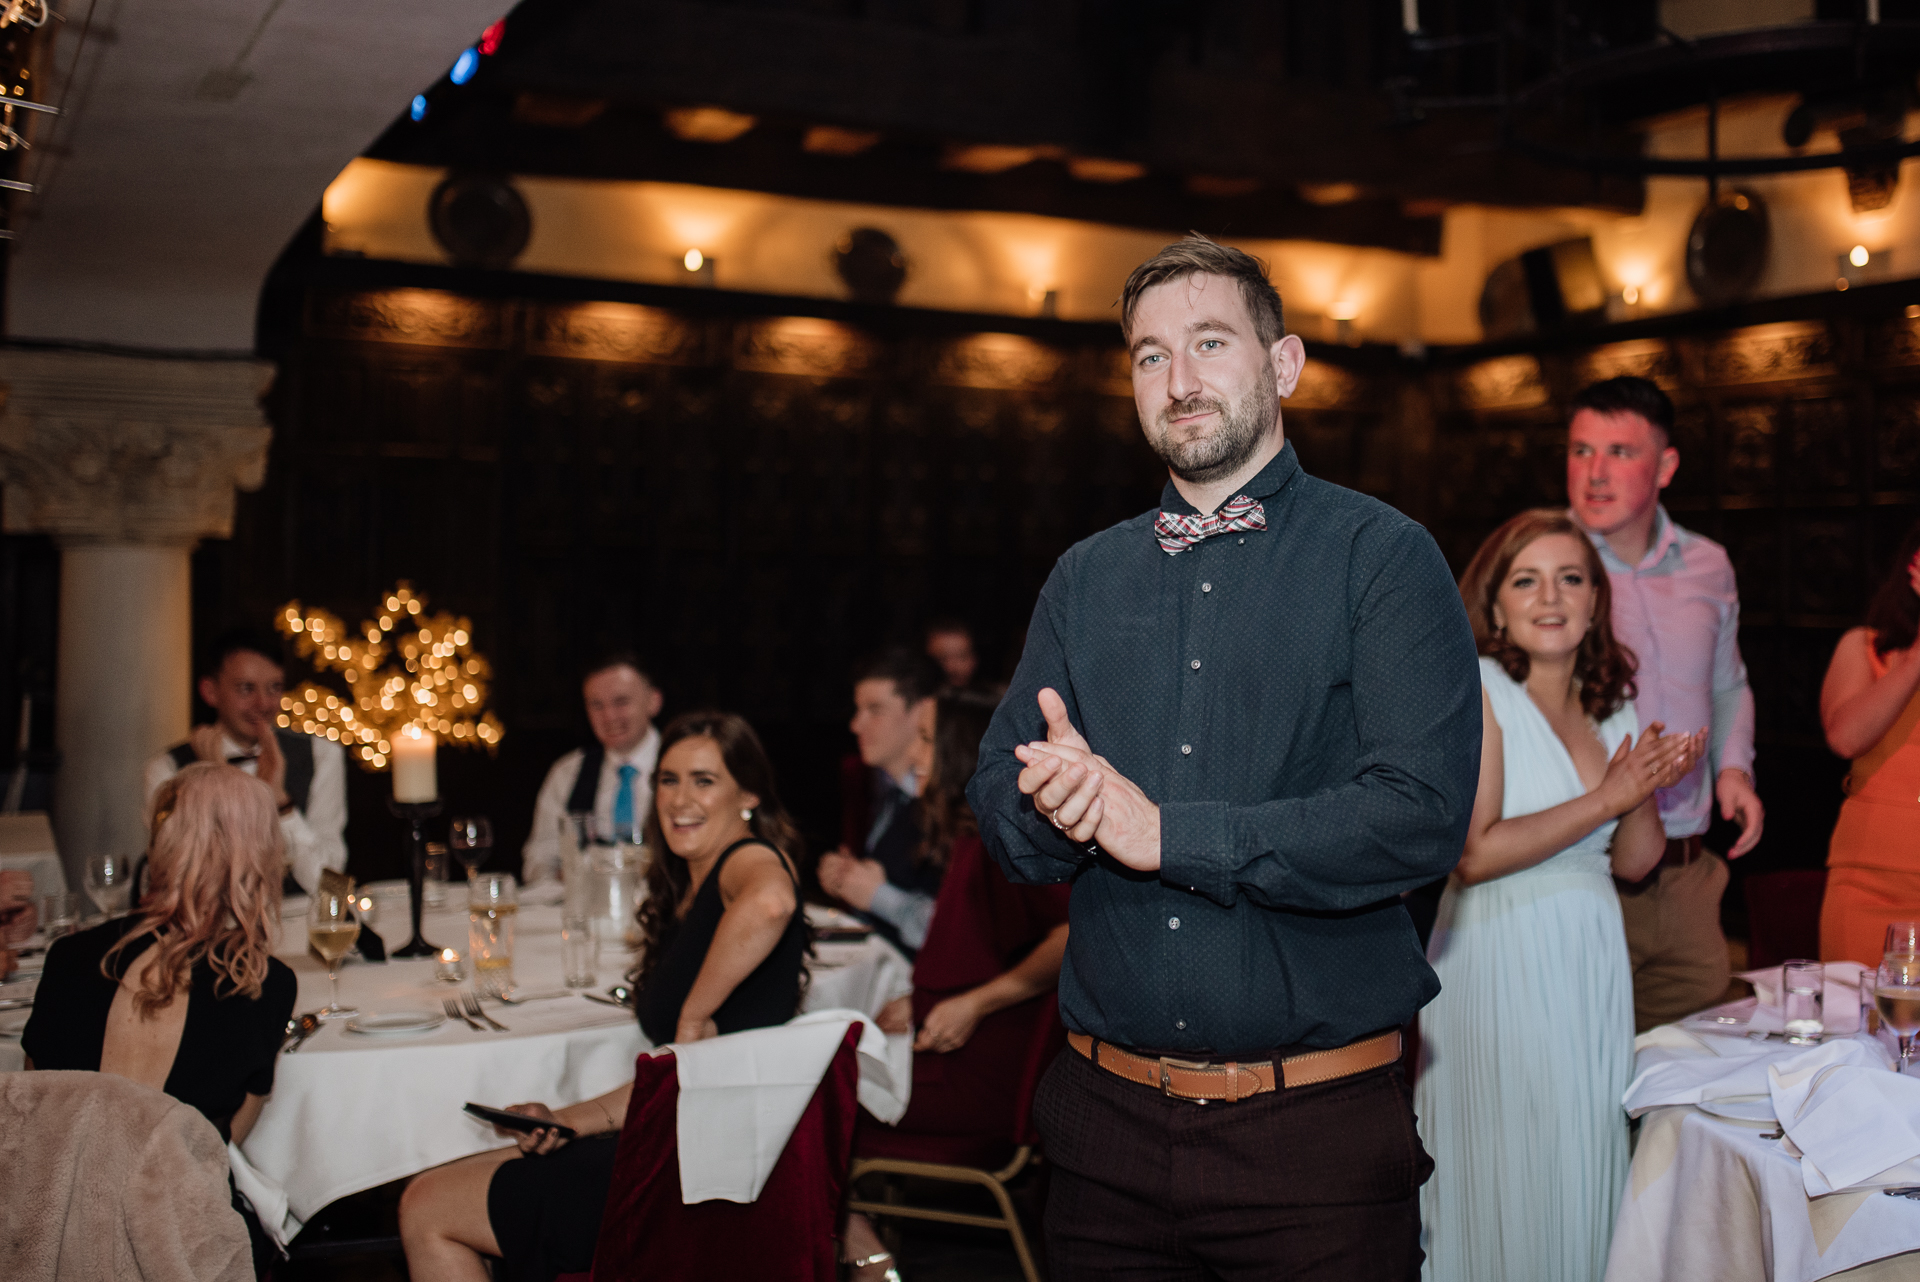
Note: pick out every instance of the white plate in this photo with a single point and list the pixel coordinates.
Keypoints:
(12, 1021)
(1741, 1108)
(396, 1021)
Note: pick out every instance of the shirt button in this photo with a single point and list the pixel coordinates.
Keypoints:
(1186, 750)
(1206, 587)
(1196, 665)
(1180, 1024)
(1173, 923)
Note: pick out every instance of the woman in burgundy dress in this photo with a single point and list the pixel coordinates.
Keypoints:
(992, 952)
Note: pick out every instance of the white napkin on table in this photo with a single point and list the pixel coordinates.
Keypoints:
(741, 1095)
(1738, 1068)
(1856, 1125)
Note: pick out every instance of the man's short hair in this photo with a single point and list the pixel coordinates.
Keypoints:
(1628, 395)
(608, 660)
(239, 639)
(948, 625)
(914, 675)
(1198, 256)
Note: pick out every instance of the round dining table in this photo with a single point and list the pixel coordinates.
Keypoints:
(352, 1110)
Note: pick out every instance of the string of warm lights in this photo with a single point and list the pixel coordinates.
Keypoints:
(405, 667)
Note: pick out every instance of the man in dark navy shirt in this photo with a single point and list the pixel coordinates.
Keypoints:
(1242, 726)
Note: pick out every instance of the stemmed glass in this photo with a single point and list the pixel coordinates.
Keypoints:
(110, 882)
(333, 927)
(471, 837)
(1896, 995)
(1902, 937)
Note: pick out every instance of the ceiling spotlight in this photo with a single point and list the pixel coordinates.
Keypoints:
(419, 108)
(464, 66)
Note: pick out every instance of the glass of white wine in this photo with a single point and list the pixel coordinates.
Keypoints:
(333, 927)
(493, 901)
(1896, 995)
(110, 882)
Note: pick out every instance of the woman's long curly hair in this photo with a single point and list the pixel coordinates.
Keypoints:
(960, 720)
(1894, 613)
(214, 865)
(668, 875)
(1603, 667)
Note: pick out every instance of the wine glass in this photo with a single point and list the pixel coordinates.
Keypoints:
(110, 882)
(471, 837)
(333, 927)
(1896, 995)
(1902, 937)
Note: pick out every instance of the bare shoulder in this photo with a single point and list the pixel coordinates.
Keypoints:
(755, 867)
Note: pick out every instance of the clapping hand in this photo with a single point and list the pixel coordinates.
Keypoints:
(1658, 760)
(850, 879)
(1083, 796)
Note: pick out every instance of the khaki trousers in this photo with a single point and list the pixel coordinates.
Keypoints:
(1674, 944)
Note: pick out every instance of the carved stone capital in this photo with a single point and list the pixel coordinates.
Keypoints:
(121, 449)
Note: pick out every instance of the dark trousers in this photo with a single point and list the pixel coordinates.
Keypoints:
(1318, 1182)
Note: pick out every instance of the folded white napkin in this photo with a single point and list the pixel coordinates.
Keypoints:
(741, 1096)
(1735, 1068)
(1856, 1125)
(269, 1199)
(1839, 1002)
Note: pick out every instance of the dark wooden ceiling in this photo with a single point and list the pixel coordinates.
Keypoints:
(1255, 118)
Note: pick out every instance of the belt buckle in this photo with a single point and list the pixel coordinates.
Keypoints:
(1166, 1078)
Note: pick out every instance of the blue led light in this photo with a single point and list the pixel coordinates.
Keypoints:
(419, 109)
(464, 66)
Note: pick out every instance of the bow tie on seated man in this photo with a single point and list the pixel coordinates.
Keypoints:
(241, 678)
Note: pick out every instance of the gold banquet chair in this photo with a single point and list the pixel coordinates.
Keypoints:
(968, 1160)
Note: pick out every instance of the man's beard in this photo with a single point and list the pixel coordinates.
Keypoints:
(1242, 430)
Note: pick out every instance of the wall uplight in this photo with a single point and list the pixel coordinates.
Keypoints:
(693, 260)
(1630, 295)
(1858, 256)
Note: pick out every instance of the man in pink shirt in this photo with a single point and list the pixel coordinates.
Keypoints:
(1676, 607)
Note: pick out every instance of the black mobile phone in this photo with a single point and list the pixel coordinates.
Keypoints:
(518, 1121)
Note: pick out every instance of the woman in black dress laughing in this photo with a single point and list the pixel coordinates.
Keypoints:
(725, 944)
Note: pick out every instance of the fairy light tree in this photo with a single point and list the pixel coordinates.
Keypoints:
(403, 667)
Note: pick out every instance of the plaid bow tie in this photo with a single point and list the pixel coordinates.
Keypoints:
(1177, 533)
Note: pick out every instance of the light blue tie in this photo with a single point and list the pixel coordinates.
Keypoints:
(623, 802)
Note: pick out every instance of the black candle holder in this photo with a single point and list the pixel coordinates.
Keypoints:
(416, 813)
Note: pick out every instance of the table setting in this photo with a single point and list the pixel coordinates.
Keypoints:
(1778, 1136)
(376, 1093)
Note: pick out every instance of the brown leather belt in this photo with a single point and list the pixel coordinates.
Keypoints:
(1680, 852)
(1230, 1081)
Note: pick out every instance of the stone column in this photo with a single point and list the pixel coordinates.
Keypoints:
(127, 462)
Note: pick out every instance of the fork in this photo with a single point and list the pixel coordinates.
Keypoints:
(454, 1012)
(473, 1008)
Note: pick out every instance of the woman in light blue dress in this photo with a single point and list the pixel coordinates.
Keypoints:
(1529, 1046)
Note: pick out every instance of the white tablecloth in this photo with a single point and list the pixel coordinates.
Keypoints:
(349, 1112)
(1709, 1200)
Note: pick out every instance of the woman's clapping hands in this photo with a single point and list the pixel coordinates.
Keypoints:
(1658, 760)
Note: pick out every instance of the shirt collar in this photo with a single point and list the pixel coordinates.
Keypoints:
(638, 753)
(1666, 537)
(1267, 482)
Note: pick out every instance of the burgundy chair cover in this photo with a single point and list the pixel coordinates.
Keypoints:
(790, 1235)
(1783, 915)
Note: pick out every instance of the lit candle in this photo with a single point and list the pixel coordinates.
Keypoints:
(447, 966)
(413, 775)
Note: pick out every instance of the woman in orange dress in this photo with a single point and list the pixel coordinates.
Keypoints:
(1870, 709)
